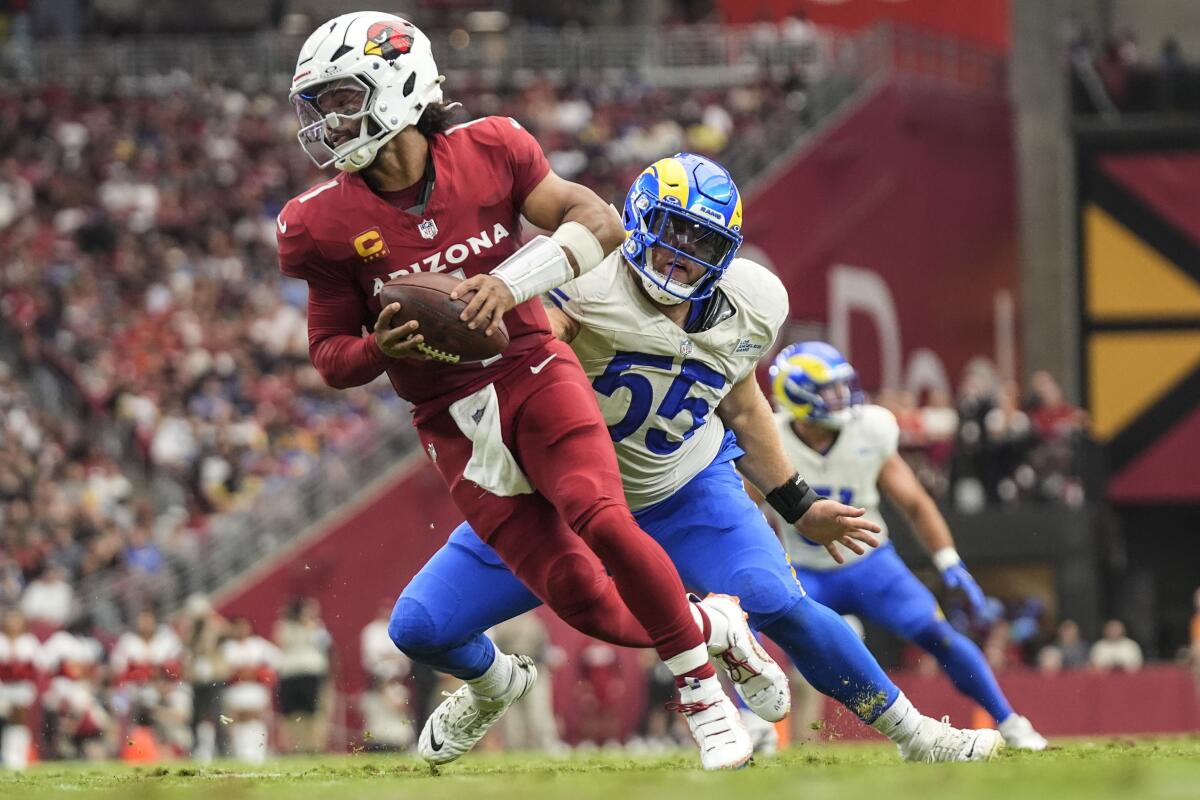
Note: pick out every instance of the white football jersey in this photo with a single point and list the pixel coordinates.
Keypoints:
(849, 473)
(133, 654)
(657, 385)
(247, 655)
(67, 654)
(18, 656)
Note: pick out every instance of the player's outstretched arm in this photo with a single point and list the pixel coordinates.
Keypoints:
(747, 413)
(586, 229)
(901, 485)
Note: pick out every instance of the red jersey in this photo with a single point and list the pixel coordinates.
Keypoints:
(347, 242)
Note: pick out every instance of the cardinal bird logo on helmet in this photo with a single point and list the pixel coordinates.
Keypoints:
(388, 40)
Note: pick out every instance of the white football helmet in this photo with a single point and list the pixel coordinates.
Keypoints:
(360, 79)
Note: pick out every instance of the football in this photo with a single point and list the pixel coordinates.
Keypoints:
(425, 297)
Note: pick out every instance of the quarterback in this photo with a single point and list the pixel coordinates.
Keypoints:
(670, 329)
(519, 440)
(849, 451)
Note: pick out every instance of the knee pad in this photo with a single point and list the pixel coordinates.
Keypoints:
(412, 628)
(765, 593)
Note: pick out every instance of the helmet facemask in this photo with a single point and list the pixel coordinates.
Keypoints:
(675, 239)
(338, 109)
(840, 401)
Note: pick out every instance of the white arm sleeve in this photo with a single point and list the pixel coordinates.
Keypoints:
(542, 264)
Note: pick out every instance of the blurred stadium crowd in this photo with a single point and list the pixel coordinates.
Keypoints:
(1117, 75)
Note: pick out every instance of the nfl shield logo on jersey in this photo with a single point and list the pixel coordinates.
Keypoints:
(428, 228)
(685, 347)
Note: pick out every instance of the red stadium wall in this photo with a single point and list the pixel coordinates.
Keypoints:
(896, 229)
(983, 22)
(1158, 699)
(361, 558)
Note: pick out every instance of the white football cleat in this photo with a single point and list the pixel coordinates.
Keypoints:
(763, 735)
(1018, 732)
(464, 717)
(756, 677)
(935, 741)
(715, 724)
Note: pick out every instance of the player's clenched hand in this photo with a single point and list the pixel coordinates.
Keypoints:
(492, 299)
(400, 341)
(831, 523)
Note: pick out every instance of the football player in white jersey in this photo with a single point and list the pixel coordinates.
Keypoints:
(849, 451)
(670, 328)
(252, 662)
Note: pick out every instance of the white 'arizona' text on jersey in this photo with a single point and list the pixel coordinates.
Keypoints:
(849, 473)
(659, 386)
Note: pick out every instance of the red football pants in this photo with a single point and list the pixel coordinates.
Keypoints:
(561, 540)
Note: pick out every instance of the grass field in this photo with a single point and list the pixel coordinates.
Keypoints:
(1119, 769)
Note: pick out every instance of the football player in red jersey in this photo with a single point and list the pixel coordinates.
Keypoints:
(519, 439)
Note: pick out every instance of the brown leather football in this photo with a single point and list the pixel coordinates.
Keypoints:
(425, 297)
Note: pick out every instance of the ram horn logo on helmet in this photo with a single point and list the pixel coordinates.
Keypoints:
(388, 40)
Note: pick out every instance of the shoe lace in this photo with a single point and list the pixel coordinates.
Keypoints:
(739, 669)
(706, 727)
(949, 740)
(688, 709)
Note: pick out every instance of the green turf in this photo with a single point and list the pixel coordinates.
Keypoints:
(1117, 769)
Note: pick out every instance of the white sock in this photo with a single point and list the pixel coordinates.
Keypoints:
(496, 679)
(14, 746)
(899, 722)
(718, 625)
(687, 661)
(250, 741)
(206, 742)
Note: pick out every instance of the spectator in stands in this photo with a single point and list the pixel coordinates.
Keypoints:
(1008, 437)
(18, 689)
(385, 704)
(1050, 661)
(657, 729)
(1052, 416)
(534, 727)
(49, 600)
(77, 723)
(146, 665)
(1170, 58)
(1075, 651)
(598, 693)
(252, 662)
(304, 646)
(1115, 650)
(205, 671)
(1114, 71)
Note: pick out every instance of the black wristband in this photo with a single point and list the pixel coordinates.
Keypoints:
(792, 499)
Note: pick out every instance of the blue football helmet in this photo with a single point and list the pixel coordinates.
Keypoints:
(816, 383)
(688, 206)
